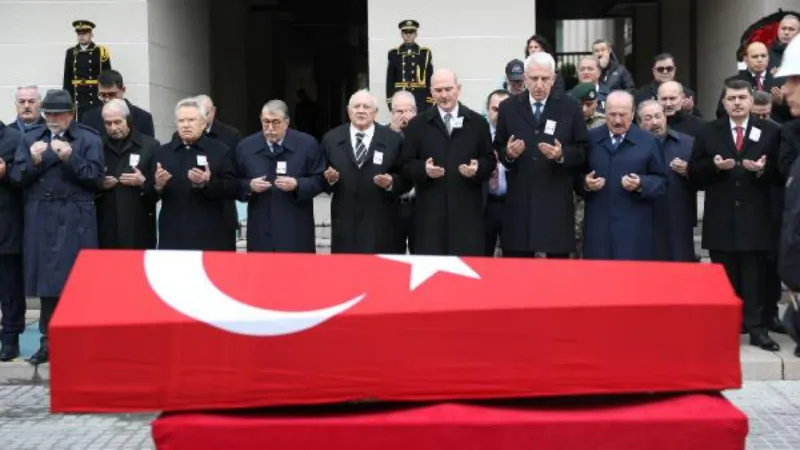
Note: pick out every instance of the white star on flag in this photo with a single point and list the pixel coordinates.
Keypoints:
(424, 267)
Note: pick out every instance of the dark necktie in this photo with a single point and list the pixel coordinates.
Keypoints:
(537, 111)
(361, 149)
(616, 140)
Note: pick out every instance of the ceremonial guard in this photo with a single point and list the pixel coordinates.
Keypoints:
(410, 67)
(82, 67)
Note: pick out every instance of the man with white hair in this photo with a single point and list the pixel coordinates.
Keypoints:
(126, 208)
(363, 176)
(624, 177)
(27, 102)
(404, 108)
(541, 138)
(280, 172)
(194, 178)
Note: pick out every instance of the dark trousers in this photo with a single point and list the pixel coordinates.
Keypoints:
(493, 219)
(48, 308)
(12, 297)
(773, 288)
(747, 274)
(406, 229)
(519, 254)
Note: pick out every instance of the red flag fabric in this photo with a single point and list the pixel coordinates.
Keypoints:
(171, 331)
(688, 422)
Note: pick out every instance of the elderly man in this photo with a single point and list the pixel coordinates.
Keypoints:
(787, 30)
(672, 98)
(404, 108)
(626, 176)
(589, 73)
(363, 175)
(27, 101)
(111, 86)
(541, 139)
(734, 160)
(280, 172)
(126, 206)
(60, 167)
(447, 152)
(12, 282)
(194, 178)
(675, 212)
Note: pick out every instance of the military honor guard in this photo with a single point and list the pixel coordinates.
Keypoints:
(82, 67)
(410, 67)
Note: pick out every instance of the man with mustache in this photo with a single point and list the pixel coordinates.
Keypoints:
(126, 206)
(27, 101)
(676, 211)
(364, 179)
(447, 152)
(60, 167)
(279, 172)
(671, 96)
(734, 160)
(626, 176)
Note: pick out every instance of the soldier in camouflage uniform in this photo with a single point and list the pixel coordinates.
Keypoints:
(587, 95)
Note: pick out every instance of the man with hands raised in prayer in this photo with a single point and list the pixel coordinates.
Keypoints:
(626, 175)
(734, 162)
(194, 178)
(447, 153)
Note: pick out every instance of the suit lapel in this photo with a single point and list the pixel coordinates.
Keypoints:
(726, 135)
(749, 147)
(526, 110)
(436, 118)
(346, 146)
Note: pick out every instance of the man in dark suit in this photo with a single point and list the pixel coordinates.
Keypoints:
(734, 160)
(541, 139)
(447, 152)
(112, 86)
(363, 176)
(12, 281)
(279, 173)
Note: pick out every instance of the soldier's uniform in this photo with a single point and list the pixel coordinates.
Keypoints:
(584, 92)
(410, 68)
(82, 67)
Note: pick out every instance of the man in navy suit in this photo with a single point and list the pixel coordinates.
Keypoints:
(541, 139)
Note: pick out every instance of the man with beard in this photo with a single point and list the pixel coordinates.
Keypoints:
(363, 176)
(447, 152)
(671, 97)
(194, 178)
(12, 282)
(126, 207)
(60, 168)
(675, 212)
(27, 102)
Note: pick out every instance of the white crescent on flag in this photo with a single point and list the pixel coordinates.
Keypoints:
(180, 280)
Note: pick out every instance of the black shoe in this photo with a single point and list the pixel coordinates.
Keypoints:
(762, 340)
(775, 325)
(41, 356)
(9, 351)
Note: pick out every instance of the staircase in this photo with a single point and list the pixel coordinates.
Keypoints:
(322, 219)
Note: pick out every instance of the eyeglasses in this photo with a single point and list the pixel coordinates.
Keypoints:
(665, 69)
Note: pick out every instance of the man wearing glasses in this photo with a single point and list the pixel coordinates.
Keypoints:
(111, 86)
(664, 70)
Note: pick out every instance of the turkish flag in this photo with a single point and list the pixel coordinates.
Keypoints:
(171, 330)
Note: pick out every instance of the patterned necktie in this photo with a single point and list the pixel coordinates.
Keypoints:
(739, 138)
(759, 83)
(447, 124)
(616, 140)
(361, 149)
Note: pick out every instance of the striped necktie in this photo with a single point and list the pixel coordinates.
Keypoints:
(361, 149)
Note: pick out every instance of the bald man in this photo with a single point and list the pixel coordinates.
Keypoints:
(447, 153)
(671, 95)
(757, 74)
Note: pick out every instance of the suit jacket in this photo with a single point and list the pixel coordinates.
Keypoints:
(789, 249)
(539, 208)
(780, 112)
(738, 210)
(225, 133)
(364, 216)
(10, 195)
(142, 120)
(449, 210)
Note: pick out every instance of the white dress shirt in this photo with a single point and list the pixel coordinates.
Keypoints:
(733, 129)
(453, 115)
(368, 134)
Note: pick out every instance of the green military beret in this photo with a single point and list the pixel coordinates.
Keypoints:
(584, 92)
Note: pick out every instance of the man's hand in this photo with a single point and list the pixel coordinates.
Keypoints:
(398, 123)
(552, 152)
(755, 166)
(433, 170)
(687, 104)
(62, 149)
(594, 183)
(469, 170)
(631, 182)
(331, 175)
(135, 179)
(383, 180)
(109, 182)
(259, 185)
(162, 177)
(37, 149)
(200, 177)
(515, 147)
(286, 184)
(724, 164)
(2, 168)
(679, 166)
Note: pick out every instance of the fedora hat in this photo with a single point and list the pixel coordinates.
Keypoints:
(56, 101)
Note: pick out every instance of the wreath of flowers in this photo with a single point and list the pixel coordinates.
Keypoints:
(764, 30)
